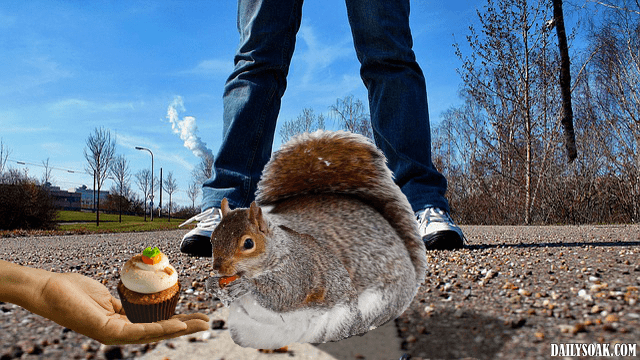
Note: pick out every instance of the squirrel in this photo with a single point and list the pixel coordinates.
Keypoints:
(329, 249)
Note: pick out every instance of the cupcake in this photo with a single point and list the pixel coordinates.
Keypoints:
(149, 288)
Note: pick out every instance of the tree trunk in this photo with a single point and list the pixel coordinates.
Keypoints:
(565, 81)
(528, 125)
(98, 209)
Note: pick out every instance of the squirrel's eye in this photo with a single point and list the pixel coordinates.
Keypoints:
(248, 244)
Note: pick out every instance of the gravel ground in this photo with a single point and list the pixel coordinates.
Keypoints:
(511, 294)
(516, 290)
(27, 336)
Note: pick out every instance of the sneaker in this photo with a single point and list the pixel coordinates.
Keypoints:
(438, 230)
(197, 242)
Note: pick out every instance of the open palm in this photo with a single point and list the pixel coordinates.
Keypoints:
(87, 307)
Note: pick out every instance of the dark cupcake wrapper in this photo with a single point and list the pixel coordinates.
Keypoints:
(137, 313)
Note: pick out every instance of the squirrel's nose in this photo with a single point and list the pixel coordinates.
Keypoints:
(223, 269)
(217, 263)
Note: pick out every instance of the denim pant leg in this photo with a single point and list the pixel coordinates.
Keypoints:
(252, 97)
(397, 97)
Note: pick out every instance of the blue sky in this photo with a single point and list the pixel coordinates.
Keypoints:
(70, 66)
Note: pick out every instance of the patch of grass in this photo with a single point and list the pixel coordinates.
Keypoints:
(124, 226)
(78, 223)
(81, 216)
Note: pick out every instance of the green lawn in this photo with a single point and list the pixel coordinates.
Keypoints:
(79, 216)
(86, 222)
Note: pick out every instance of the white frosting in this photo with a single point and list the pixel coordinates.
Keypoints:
(147, 279)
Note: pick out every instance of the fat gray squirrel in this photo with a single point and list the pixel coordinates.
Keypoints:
(329, 249)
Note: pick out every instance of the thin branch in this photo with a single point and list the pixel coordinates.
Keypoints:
(611, 6)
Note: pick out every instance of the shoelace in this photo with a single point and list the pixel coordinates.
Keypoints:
(431, 215)
(207, 220)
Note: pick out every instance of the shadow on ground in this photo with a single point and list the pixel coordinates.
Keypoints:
(455, 335)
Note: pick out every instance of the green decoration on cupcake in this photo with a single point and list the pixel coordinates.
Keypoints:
(150, 253)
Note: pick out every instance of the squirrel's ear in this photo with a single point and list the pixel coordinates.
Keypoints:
(224, 207)
(255, 216)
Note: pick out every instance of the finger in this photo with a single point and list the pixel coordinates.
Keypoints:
(164, 327)
(143, 332)
(185, 317)
(162, 330)
(117, 306)
(193, 326)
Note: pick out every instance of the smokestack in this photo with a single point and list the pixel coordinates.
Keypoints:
(187, 129)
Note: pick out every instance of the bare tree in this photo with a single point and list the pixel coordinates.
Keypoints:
(305, 122)
(99, 153)
(492, 144)
(506, 75)
(120, 174)
(352, 116)
(193, 191)
(4, 155)
(626, 7)
(204, 170)
(143, 179)
(616, 68)
(170, 186)
(46, 175)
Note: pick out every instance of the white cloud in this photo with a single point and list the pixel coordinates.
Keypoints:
(211, 67)
(69, 104)
(128, 141)
(179, 160)
(75, 105)
(25, 129)
(319, 56)
(329, 70)
(131, 141)
(57, 149)
(186, 129)
(34, 72)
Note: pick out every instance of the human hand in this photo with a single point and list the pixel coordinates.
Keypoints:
(87, 307)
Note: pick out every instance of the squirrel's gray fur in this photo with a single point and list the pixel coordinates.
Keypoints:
(335, 249)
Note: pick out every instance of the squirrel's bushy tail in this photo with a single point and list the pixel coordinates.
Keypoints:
(341, 162)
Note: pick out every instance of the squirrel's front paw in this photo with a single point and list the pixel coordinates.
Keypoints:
(237, 288)
(213, 287)
(228, 292)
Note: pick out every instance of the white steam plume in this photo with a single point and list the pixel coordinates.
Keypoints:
(187, 129)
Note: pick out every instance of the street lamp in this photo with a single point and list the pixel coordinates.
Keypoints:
(141, 148)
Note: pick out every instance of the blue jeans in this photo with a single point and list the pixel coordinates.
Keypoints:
(396, 86)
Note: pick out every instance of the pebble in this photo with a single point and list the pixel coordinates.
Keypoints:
(584, 295)
(429, 309)
(411, 339)
(524, 292)
(217, 324)
(611, 318)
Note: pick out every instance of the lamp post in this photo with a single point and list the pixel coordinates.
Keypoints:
(151, 197)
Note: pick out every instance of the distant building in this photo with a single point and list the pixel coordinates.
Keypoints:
(87, 196)
(63, 199)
